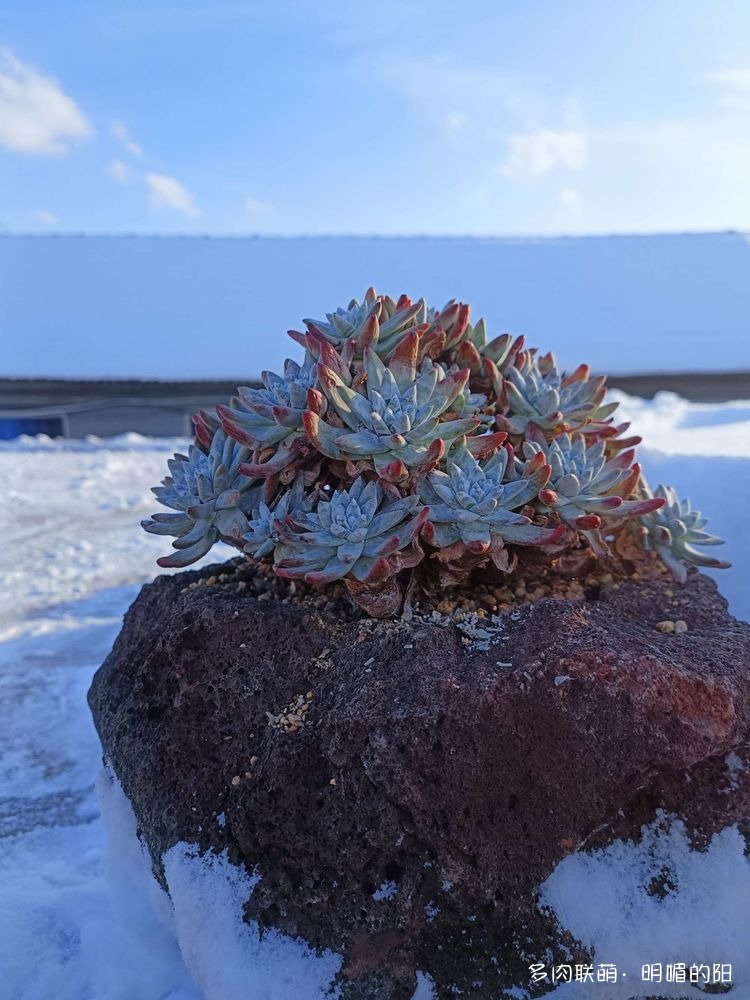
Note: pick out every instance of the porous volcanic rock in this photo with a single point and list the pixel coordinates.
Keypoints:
(436, 778)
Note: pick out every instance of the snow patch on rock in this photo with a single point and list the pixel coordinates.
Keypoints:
(657, 901)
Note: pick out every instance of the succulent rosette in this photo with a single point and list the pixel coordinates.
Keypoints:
(472, 504)
(537, 393)
(379, 322)
(270, 418)
(359, 532)
(211, 497)
(391, 419)
(586, 487)
(266, 521)
(673, 530)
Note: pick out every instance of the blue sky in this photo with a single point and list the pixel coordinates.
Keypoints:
(389, 117)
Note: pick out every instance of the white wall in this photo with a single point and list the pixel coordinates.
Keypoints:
(210, 307)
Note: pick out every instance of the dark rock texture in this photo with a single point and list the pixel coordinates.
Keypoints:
(451, 778)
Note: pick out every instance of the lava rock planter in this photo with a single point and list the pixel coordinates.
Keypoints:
(403, 787)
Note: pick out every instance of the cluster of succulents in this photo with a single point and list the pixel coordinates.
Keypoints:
(406, 451)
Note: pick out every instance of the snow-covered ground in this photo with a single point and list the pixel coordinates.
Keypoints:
(79, 919)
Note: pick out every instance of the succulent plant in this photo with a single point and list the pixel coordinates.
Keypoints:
(206, 425)
(673, 530)
(538, 393)
(472, 504)
(266, 521)
(586, 487)
(391, 420)
(359, 532)
(270, 418)
(211, 497)
(467, 403)
(466, 345)
(474, 404)
(379, 322)
(403, 431)
(446, 330)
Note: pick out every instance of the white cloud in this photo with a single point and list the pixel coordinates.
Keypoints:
(738, 78)
(450, 95)
(486, 100)
(46, 218)
(35, 115)
(531, 154)
(118, 170)
(256, 207)
(669, 175)
(167, 192)
(128, 143)
(735, 87)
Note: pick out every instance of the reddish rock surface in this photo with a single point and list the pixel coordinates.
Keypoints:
(451, 778)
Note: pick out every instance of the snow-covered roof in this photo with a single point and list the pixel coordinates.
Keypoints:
(207, 307)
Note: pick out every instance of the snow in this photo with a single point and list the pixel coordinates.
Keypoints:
(72, 926)
(602, 898)
(75, 507)
(702, 449)
(80, 916)
(625, 303)
(735, 766)
(228, 959)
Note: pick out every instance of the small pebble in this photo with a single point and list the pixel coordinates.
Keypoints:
(665, 626)
(680, 626)
(236, 779)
